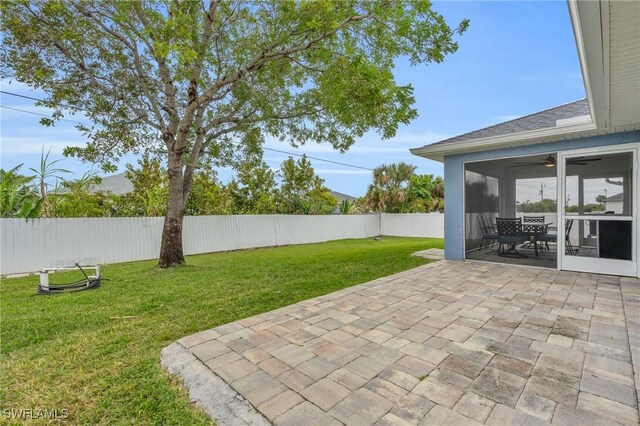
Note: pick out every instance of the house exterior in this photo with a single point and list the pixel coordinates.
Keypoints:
(615, 203)
(574, 153)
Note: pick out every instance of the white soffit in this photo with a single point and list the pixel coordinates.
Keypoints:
(624, 62)
(608, 40)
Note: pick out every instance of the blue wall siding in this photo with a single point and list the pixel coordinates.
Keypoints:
(454, 179)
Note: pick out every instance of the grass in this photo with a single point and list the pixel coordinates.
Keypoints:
(96, 354)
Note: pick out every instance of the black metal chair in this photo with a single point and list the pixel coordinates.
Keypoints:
(488, 233)
(510, 235)
(530, 231)
(548, 237)
(491, 225)
(569, 249)
(533, 219)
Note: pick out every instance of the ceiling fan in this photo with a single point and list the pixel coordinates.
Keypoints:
(550, 161)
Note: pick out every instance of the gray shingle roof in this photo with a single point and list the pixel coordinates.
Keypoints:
(536, 121)
(340, 196)
(115, 184)
(618, 197)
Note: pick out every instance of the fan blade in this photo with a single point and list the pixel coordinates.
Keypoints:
(582, 159)
(526, 165)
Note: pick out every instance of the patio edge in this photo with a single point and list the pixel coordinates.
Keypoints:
(631, 306)
(224, 405)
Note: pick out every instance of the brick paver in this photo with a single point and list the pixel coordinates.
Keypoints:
(445, 343)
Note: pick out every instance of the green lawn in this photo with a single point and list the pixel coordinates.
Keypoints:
(76, 352)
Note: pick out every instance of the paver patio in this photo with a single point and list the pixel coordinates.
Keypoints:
(445, 343)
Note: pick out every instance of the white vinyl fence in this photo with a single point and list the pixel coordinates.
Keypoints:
(34, 244)
(413, 225)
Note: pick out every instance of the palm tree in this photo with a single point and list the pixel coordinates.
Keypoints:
(345, 206)
(44, 175)
(388, 192)
(17, 195)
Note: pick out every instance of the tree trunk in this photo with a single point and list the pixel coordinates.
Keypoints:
(171, 252)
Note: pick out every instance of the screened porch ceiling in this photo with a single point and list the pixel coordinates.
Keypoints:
(510, 168)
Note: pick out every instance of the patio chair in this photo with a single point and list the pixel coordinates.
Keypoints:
(533, 219)
(491, 225)
(488, 234)
(548, 237)
(510, 235)
(569, 249)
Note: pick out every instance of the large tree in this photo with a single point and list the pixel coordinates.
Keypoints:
(187, 78)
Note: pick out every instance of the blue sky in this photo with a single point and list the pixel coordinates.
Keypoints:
(516, 58)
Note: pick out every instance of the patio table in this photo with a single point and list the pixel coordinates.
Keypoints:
(533, 229)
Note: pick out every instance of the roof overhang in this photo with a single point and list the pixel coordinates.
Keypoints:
(591, 47)
(607, 36)
(569, 131)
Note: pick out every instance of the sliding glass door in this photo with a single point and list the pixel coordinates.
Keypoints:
(598, 230)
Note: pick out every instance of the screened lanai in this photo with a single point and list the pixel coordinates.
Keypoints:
(522, 188)
(512, 215)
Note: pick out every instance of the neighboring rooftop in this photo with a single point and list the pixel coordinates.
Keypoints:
(341, 197)
(615, 198)
(115, 184)
(119, 184)
(540, 120)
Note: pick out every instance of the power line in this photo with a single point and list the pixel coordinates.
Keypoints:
(37, 99)
(21, 96)
(318, 159)
(266, 149)
(41, 115)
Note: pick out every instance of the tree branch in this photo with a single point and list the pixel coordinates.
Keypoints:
(133, 48)
(303, 65)
(261, 59)
(165, 76)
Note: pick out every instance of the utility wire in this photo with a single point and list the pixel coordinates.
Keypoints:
(318, 159)
(28, 97)
(264, 148)
(41, 115)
